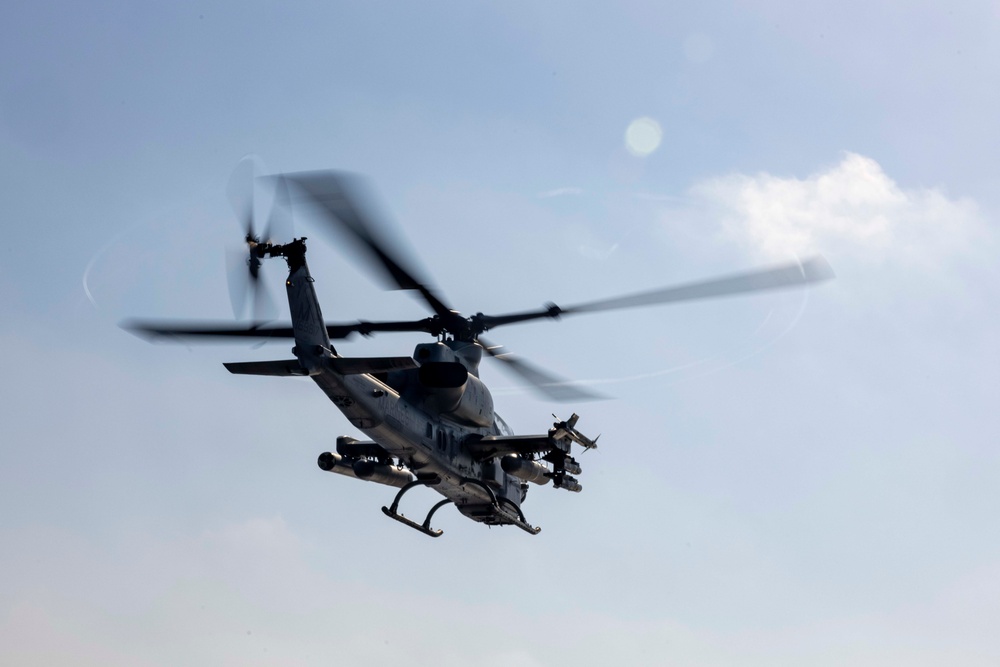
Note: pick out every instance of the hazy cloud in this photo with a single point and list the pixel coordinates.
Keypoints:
(853, 206)
(560, 192)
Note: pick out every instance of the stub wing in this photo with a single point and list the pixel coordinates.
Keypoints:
(558, 439)
(527, 456)
(501, 445)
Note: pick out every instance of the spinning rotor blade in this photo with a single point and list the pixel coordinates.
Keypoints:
(426, 325)
(166, 331)
(173, 331)
(346, 204)
(548, 385)
(243, 265)
(812, 270)
(279, 227)
(240, 192)
(264, 308)
(237, 280)
(245, 284)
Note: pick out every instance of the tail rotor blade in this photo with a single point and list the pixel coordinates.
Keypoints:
(279, 227)
(247, 288)
(238, 279)
(264, 308)
(240, 192)
(243, 265)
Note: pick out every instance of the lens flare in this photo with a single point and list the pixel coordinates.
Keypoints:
(643, 136)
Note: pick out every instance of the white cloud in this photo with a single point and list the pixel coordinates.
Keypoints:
(852, 208)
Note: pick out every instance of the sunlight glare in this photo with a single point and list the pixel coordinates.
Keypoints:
(643, 136)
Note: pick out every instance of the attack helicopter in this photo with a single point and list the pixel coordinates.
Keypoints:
(429, 418)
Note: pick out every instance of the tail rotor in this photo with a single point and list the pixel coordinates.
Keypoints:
(243, 263)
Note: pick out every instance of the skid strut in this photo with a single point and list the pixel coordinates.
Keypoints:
(425, 527)
(497, 503)
(520, 522)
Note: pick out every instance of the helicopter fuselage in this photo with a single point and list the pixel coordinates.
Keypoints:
(430, 419)
(421, 417)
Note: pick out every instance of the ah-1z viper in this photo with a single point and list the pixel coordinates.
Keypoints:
(430, 419)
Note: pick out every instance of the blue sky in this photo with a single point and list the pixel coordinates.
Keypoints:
(796, 478)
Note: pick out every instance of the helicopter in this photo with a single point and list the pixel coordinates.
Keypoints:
(429, 417)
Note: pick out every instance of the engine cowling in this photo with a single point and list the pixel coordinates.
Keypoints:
(449, 389)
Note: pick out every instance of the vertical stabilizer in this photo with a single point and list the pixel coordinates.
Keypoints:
(311, 340)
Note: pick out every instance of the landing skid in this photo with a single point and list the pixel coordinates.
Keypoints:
(520, 522)
(500, 515)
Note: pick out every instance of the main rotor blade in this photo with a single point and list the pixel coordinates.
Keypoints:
(426, 325)
(174, 331)
(346, 203)
(544, 382)
(813, 270)
(166, 331)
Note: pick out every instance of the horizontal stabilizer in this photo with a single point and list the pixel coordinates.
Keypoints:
(282, 368)
(341, 365)
(358, 365)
